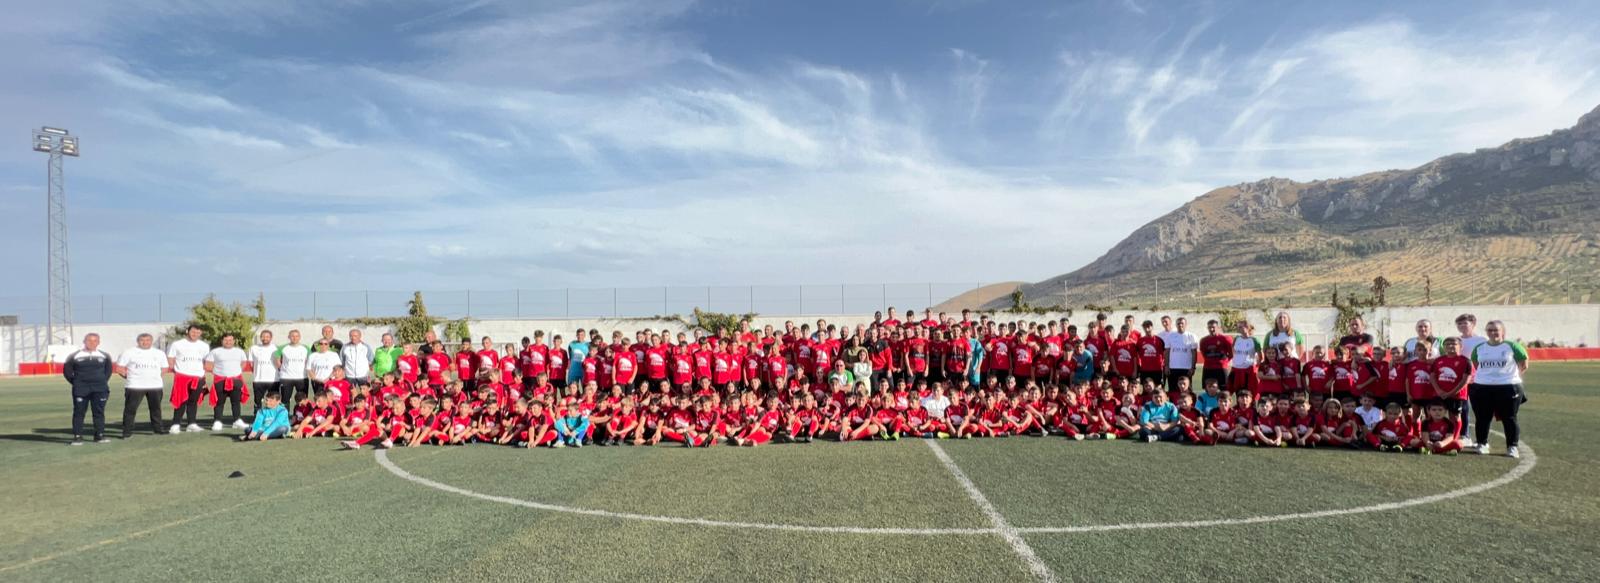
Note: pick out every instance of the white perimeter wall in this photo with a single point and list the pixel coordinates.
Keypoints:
(1570, 325)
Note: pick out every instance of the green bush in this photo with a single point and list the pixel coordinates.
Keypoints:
(216, 320)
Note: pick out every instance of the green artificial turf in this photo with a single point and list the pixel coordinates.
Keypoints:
(162, 507)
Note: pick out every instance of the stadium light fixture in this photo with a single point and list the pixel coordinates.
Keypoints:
(51, 130)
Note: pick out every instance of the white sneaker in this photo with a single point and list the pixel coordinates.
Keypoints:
(176, 429)
(193, 427)
(1468, 443)
(1512, 452)
(240, 424)
(1483, 449)
(216, 426)
(388, 443)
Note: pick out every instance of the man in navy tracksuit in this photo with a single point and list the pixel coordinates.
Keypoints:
(89, 370)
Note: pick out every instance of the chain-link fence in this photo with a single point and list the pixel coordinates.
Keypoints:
(640, 302)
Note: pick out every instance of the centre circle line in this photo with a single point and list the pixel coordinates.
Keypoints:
(1525, 464)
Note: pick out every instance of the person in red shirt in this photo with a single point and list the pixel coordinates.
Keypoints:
(655, 360)
(1451, 374)
(1190, 420)
(487, 358)
(916, 354)
(1216, 349)
(1225, 424)
(1420, 384)
(1023, 354)
(622, 425)
(1335, 426)
(1440, 433)
(1344, 374)
(409, 365)
(1397, 377)
(881, 354)
(774, 367)
(624, 366)
(1394, 432)
(1318, 373)
(1124, 355)
(682, 367)
(508, 365)
(534, 358)
(466, 365)
(1152, 355)
(557, 368)
(997, 353)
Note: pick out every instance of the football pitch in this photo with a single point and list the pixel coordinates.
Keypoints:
(1014, 509)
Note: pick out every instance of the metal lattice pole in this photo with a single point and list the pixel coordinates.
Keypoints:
(58, 143)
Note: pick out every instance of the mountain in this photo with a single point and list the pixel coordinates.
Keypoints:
(1512, 224)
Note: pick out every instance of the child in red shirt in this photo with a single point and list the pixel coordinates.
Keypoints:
(1440, 432)
(1394, 433)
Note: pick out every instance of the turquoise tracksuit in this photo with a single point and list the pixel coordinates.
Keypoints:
(571, 430)
(975, 368)
(576, 352)
(273, 422)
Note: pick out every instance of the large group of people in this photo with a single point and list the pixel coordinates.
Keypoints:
(935, 377)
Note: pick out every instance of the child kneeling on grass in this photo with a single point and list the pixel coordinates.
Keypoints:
(272, 420)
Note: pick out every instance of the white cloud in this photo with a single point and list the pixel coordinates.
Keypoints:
(971, 79)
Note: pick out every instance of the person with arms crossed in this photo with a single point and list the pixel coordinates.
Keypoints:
(1496, 390)
(263, 368)
(88, 371)
(186, 358)
(226, 365)
(320, 366)
(142, 366)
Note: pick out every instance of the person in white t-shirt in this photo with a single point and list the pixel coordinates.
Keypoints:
(263, 368)
(1467, 325)
(936, 403)
(321, 364)
(226, 365)
(187, 357)
(292, 360)
(1183, 348)
(142, 367)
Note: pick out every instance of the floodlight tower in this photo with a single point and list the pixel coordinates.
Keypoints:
(58, 322)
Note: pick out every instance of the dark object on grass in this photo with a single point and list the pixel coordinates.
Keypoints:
(236, 474)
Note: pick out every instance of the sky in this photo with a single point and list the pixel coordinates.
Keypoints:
(233, 145)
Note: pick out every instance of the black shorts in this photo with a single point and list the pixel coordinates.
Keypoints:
(1214, 374)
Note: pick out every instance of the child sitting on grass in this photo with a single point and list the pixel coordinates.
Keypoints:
(272, 420)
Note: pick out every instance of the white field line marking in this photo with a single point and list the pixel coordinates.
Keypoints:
(1524, 465)
(383, 460)
(1522, 468)
(1001, 527)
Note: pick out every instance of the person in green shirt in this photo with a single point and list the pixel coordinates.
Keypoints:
(385, 357)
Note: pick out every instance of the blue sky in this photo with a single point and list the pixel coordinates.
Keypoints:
(290, 145)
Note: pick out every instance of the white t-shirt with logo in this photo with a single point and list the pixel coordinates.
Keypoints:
(321, 364)
(936, 406)
(292, 361)
(226, 363)
(144, 367)
(1497, 363)
(189, 357)
(1180, 348)
(261, 366)
(1245, 351)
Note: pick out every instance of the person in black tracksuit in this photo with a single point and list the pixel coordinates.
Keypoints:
(89, 372)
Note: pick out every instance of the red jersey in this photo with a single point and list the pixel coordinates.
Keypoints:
(508, 370)
(534, 360)
(1439, 429)
(682, 369)
(1152, 354)
(1450, 370)
(702, 365)
(1124, 358)
(409, 367)
(464, 364)
(655, 363)
(917, 353)
(1344, 377)
(558, 364)
(1215, 351)
(999, 354)
(1289, 374)
(625, 366)
(1022, 359)
(1318, 373)
(1419, 380)
(488, 359)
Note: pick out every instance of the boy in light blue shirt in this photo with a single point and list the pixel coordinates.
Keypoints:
(1158, 419)
(272, 420)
